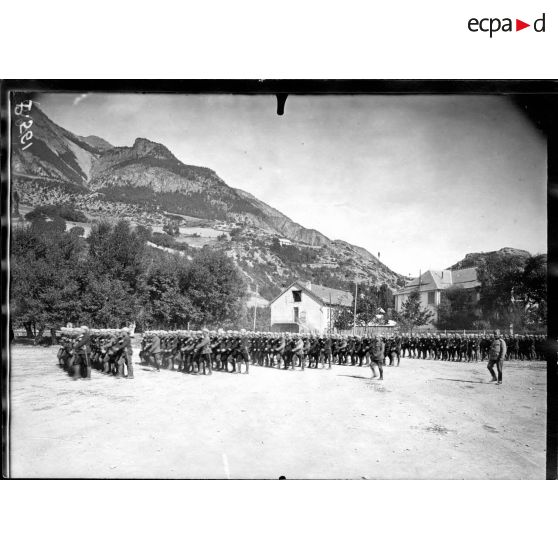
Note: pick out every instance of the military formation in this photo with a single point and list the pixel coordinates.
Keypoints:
(107, 350)
(203, 352)
(471, 347)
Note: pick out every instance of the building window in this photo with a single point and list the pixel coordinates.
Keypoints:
(431, 297)
(296, 314)
(297, 296)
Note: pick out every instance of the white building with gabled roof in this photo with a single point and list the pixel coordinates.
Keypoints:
(306, 307)
(432, 283)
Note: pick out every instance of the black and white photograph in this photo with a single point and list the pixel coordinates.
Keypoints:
(218, 285)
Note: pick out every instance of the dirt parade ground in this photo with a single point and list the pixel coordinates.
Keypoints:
(426, 420)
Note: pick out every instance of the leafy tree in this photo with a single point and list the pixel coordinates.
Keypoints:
(167, 241)
(66, 212)
(533, 289)
(117, 251)
(502, 292)
(386, 299)
(412, 315)
(216, 288)
(107, 302)
(77, 231)
(47, 225)
(457, 309)
(171, 229)
(144, 233)
(368, 304)
(342, 319)
(44, 290)
(167, 304)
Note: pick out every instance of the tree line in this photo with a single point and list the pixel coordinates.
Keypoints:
(374, 306)
(113, 278)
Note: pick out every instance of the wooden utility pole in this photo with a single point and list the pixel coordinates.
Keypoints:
(255, 307)
(330, 314)
(354, 311)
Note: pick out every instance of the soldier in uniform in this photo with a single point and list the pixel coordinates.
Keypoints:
(280, 350)
(297, 351)
(327, 351)
(127, 352)
(484, 347)
(243, 352)
(313, 351)
(413, 345)
(154, 350)
(395, 351)
(342, 350)
(203, 349)
(496, 355)
(81, 366)
(377, 357)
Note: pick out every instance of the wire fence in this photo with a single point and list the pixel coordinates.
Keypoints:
(396, 330)
(370, 330)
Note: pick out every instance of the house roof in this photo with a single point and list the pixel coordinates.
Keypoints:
(324, 295)
(327, 294)
(434, 280)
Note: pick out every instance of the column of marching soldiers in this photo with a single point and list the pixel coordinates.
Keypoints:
(202, 352)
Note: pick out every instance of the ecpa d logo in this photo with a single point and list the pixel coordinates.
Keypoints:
(493, 25)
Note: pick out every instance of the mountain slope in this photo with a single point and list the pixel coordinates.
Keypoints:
(285, 226)
(147, 184)
(55, 153)
(96, 142)
(474, 259)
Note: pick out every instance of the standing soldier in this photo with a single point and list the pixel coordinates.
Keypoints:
(188, 346)
(395, 354)
(327, 351)
(298, 351)
(203, 348)
(154, 349)
(496, 355)
(484, 346)
(126, 343)
(82, 352)
(377, 357)
(243, 351)
(281, 350)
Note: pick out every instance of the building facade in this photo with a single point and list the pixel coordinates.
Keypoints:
(431, 285)
(305, 307)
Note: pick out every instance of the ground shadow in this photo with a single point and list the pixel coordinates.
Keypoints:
(357, 377)
(465, 381)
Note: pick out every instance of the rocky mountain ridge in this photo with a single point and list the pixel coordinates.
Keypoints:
(474, 259)
(148, 184)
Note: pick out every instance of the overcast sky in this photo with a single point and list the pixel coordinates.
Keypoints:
(421, 179)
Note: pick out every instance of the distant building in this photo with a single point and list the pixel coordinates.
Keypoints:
(305, 307)
(432, 283)
(285, 242)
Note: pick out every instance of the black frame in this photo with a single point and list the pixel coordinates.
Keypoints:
(538, 98)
